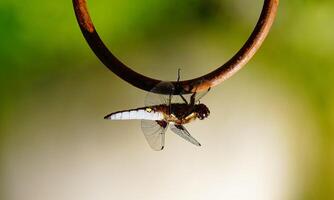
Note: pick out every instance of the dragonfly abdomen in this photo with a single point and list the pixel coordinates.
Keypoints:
(139, 113)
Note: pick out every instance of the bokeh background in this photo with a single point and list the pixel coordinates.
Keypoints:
(269, 136)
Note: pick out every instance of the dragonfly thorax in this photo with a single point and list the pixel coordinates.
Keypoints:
(185, 113)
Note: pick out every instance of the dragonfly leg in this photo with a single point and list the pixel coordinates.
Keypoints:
(170, 103)
(178, 80)
(178, 74)
(162, 123)
(184, 99)
(192, 99)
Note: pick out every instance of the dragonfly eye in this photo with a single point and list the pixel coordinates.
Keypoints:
(202, 116)
(202, 111)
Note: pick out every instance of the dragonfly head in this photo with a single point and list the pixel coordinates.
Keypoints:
(202, 111)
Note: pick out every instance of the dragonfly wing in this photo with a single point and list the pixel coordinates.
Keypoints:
(200, 95)
(154, 132)
(152, 98)
(182, 132)
(183, 98)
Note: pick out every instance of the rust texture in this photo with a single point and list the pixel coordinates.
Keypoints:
(202, 83)
(80, 7)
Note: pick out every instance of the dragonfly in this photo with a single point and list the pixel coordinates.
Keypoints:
(163, 111)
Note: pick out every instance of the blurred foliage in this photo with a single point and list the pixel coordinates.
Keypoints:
(41, 41)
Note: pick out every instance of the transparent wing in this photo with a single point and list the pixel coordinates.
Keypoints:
(154, 132)
(152, 98)
(182, 132)
(181, 98)
(186, 98)
(200, 95)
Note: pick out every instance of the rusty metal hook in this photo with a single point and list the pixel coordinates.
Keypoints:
(202, 83)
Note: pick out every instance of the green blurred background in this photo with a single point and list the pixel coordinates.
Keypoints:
(269, 136)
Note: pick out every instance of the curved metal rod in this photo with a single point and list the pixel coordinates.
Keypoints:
(202, 83)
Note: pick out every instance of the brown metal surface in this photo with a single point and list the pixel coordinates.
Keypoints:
(202, 83)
